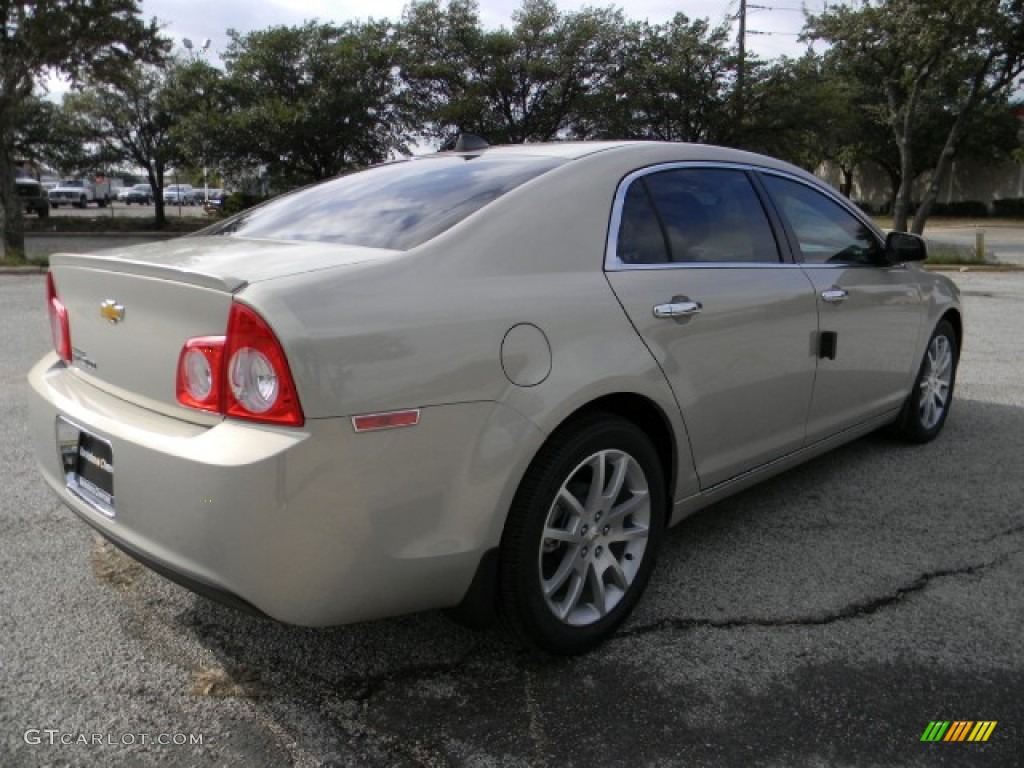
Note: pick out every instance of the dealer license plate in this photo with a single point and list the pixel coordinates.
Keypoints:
(88, 463)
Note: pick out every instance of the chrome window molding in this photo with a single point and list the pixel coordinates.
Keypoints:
(612, 262)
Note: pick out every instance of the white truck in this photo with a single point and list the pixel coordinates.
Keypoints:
(81, 192)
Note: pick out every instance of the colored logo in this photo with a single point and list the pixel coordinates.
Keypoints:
(111, 311)
(958, 730)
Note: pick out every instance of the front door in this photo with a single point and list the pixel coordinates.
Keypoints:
(869, 311)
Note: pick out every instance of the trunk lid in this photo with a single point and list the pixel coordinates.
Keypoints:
(131, 309)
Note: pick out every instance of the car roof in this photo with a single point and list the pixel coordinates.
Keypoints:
(644, 150)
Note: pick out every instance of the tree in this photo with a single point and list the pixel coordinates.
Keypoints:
(960, 53)
(47, 135)
(527, 83)
(671, 82)
(95, 39)
(133, 119)
(309, 102)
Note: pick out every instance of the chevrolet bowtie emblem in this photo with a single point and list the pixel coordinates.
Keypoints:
(112, 311)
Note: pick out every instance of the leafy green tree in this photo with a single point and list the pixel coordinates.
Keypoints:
(960, 53)
(526, 83)
(95, 39)
(47, 135)
(134, 118)
(307, 102)
(671, 82)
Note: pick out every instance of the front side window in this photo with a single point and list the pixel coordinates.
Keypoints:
(826, 232)
(397, 205)
(695, 216)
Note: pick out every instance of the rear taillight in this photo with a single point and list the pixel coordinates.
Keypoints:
(60, 328)
(259, 383)
(201, 373)
(244, 374)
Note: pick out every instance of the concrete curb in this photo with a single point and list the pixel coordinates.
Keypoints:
(25, 269)
(153, 235)
(973, 268)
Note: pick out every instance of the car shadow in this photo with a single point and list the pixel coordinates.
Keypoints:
(850, 534)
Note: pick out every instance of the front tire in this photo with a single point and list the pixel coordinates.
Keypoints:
(926, 408)
(582, 534)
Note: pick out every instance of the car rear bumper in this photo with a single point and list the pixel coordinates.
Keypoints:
(314, 526)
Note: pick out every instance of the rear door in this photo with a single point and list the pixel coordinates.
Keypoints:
(693, 260)
(870, 311)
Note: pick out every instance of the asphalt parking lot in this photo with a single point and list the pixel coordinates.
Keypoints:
(824, 618)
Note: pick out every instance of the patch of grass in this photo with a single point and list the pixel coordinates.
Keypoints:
(111, 565)
(13, 258)
(957, 255)
(223, 683)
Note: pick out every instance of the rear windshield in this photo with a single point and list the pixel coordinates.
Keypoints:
(397, 205)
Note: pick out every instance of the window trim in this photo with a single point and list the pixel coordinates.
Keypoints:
(790, 234)
(612, 262)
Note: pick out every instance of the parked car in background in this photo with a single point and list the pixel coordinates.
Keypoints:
(80, 192)
(214, 201)
(32, 196)
(141, 194)
(206, 195)
(487, 379)
(179, 194)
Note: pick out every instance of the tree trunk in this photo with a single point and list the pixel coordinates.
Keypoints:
(903, 130)
(901, 204)
(12, 228)
(932, 193)
(946, 158)
(846, 185)
(156, 181)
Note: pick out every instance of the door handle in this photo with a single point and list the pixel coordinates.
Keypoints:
(834, 295)
(678, 309)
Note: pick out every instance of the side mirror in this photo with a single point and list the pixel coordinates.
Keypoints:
(901, 247)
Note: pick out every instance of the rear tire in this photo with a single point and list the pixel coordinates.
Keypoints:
(582, 535)
(926, 408)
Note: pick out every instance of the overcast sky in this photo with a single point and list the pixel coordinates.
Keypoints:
(778, 21)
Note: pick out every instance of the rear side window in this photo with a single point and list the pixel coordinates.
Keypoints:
(693, 216)
(825, 231)
(398, 205)
(641, 237)
(712, 215)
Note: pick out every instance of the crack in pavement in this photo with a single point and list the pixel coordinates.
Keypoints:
(348, 709)
(851, 611)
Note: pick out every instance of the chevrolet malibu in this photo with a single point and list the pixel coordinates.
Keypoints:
(487, 379)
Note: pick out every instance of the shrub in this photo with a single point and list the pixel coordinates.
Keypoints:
(968, 209)
(237, 202)
(1011, 208)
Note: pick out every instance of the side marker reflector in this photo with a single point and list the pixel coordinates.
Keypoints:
(372, 422)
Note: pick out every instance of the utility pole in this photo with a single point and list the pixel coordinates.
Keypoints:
(741, 68)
